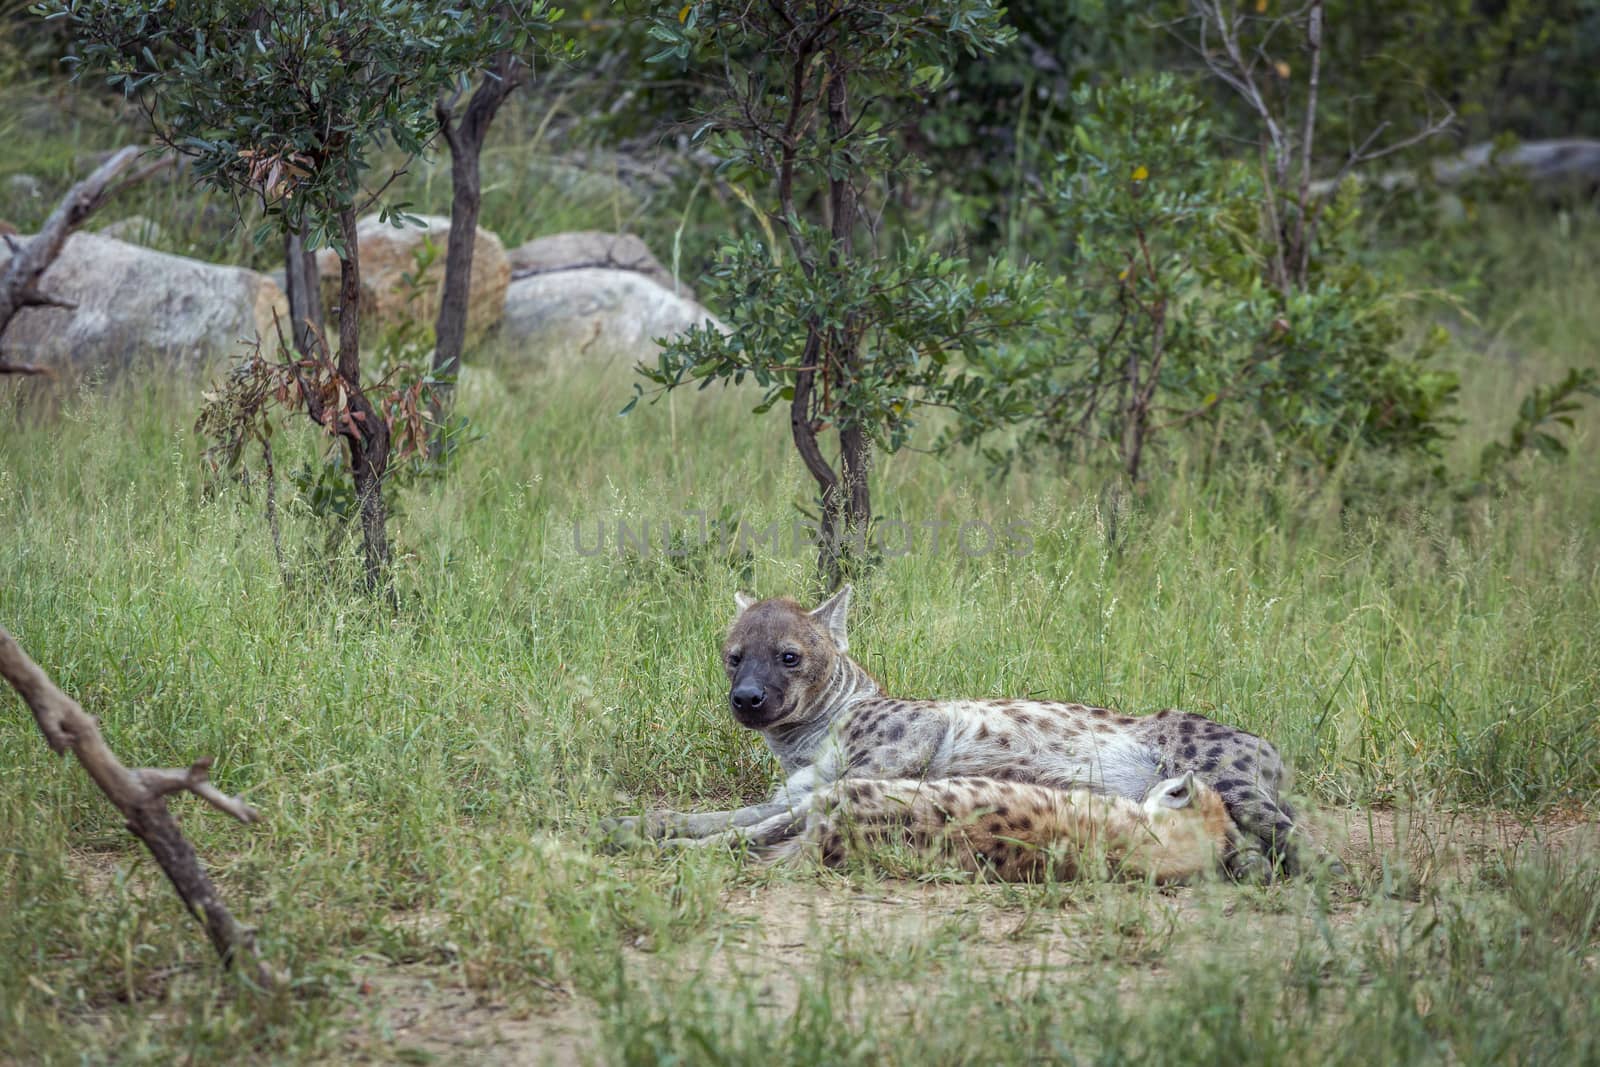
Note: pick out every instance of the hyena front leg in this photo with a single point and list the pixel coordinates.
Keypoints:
(767, 833)
(1270, 831)
(788, 804)
(681, 826)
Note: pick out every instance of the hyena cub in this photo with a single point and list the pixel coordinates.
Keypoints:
(826, 720)
(1021, 832)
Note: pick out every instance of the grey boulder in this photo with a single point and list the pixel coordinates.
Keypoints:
(592, 248)
(135, 304)
(594, 315)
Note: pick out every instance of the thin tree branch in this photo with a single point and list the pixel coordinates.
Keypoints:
(1302, 243)
(1239, 74)
(140, 795)
(23, 368)
(372, 197)
(1432, 129)
(1360, 155)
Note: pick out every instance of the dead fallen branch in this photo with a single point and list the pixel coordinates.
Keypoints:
(22, 368)
(1551, 168)
(20, 279)
(141, 795)
(638, 266)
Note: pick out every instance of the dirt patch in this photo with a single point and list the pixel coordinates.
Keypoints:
(1434, 841)
(897, 934)
(770, 939)
(425, 1014)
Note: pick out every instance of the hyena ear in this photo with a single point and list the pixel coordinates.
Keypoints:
(743, 600)
(1176, 792)
(831, 613)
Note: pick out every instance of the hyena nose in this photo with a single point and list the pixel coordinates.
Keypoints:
(747, 697)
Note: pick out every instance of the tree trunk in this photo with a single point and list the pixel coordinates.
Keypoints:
(1136, 424)
(853, 504)
(1133, 434)
(804, 432)
(855, 457)
(374, 522)
(304, 292)
(466, 145)
(365, 430)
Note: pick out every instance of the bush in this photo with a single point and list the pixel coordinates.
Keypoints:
(1169, 321)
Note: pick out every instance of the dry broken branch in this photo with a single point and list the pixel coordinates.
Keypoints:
(19, 281)
(1549, 167)
(22, 368)
(1239, 74)
(140, 795)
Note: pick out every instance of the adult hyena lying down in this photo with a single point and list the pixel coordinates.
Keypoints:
(826, 719)
(1021, 832)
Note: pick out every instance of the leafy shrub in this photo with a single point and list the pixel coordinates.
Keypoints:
(1168, 320)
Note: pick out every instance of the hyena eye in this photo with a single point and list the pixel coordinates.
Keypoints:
(791, 659)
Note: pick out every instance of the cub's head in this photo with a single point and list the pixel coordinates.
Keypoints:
(1187, 798)
(1189, 819)
(780, 658)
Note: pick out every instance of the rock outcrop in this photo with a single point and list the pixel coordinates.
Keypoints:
(593, 314)
(389, 253)
(592, 248)
(135, 229)
(135, 304)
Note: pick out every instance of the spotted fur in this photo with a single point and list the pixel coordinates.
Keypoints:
(1019, 831)
(827, 720)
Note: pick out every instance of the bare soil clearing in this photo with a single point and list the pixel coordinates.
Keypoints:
(897, 933)
(425, 1014)
(768, 936)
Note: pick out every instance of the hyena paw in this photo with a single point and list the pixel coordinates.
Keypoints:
(636, 831)
(620, 834)
(1250, 866)
(1326, 866)
(726, 839)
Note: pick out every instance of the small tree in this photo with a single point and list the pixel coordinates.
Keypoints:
(464, 132)
(1274, 63)
(288, 103)
(854, 337)
(1150, 217)
(1177, 313)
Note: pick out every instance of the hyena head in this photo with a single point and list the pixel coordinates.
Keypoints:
(782, 659)
(1189, 800)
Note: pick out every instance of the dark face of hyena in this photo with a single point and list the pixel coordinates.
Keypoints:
(780, 659)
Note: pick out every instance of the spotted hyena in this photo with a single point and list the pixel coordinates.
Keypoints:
(1021, 832)
(826, 720)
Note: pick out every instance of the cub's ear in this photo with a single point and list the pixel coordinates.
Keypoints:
(743, 600)
(1175, 792)
(831, 613)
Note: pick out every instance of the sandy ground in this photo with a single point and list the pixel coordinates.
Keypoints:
(422, 1012)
